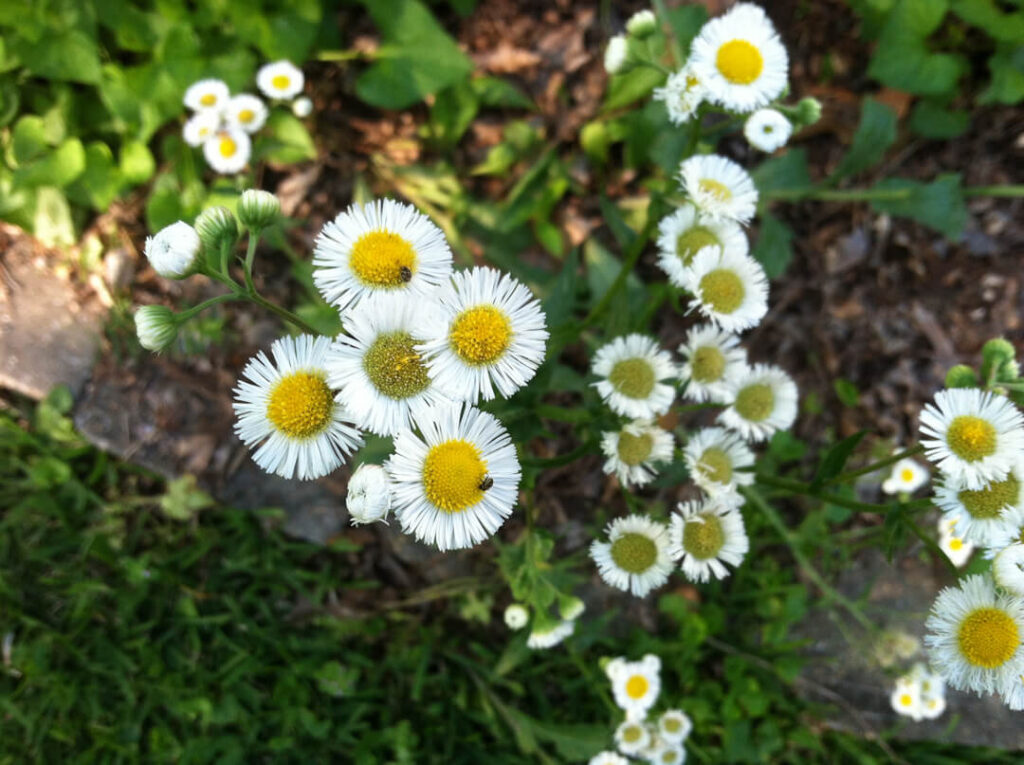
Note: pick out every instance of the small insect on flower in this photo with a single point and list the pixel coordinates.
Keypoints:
(704, 536)
(712, 357)
(686, 232)
(729, 289)
(907, 476)
(719, 187)
(762, 400)
(984, 515)
(636, 556)
(633, 452)
(632, 370)
(207, 95)
(405, 274)
(635, 684)
(227, 151)
(280, 80)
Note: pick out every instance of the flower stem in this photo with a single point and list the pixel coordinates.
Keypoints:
(800, 487)
(874, 466)
(283, 313)
(635, 251)
(188, 313)
(882, 195)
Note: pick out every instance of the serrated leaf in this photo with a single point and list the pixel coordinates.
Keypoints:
(876, 132)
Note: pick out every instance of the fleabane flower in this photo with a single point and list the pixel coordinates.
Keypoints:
(280, 80)
(711, 358)
(715, 458)
(1008, 569)
(956, 548)
(906, 699)
(383, 246)
(704, 536)
(632, 369)
(200, 126)
(668, 754)
(972, 436)
(227, 151)
(633, 451)
(289, 414)
(516, 616)
(740, 59)
(686, 232)
(632, 737)
(207, 95)
(762, 400)
(974, 636)
(682, 93)
(635, 684)
(246, 112)
(548, 632)
(174, 250)
(457, 480)
(767, 130)
(907, 476)
(495, 337)
(636, 556)
(375, 364)
(728, 288)
(674, 726)
(302, 107)
(369, 495)
(719, 187)
(608, 758)
(982, 515)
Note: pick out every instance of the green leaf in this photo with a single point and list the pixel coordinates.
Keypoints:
(58, 168)
(416, 57)
(1007, 67)
(875, 134)
(69, 55)
(101, 181)
(561, 300)
(29, 139)
(686, 21)
(846, 391)
(137, 163)
(496, 92)
(786, 172)
(624, 89)
(938, 205)
(930, 119)
(999, 25)
(833, 460)
(452, 112)
(902, 59)
(774, 248)
(184, 499)
(285, 139)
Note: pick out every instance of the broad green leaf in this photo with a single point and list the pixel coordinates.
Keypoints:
(285, 139)
(686, 21)
(70, 55)
(495, 92)
(985, 14)
(875, 134)
(931, 119)
(846, 391)
(137, 163)
(452, 112)
(57, 168)
(783, 173)
(938, 205)
(10, 100)
(101, 181)
(903, 60)
(774, 248)
(29, 139)
(1007, 68)
(624, 89)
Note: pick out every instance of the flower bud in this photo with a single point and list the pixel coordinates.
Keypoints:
(808, 111)
(258, 209)
(961, 376)
(615, 55)
(642, 24)
(156, 327)
(516, 616)
(996, 355)
(570, 607)
(174, 251)
(216, 227)
(369, 495)
(302, 107)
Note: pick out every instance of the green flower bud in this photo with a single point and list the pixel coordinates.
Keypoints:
(961, 376)
(217, 226)
(996, 355)
(642, 24)
(570, 607)
(156, 326)
(258, 209)
(808, 111)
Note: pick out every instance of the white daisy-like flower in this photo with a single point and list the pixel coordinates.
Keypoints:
(246, 112)
(384, 246)
(740, 59)
(957, 549)
(516, 616)
(719, 187)
(636, 684)
(632, 737)
(615, 54)
(375, 364)
(456, 483)
(906, 699)
(633, 452)
(972, 436)
(548, 635)
(1008, 568)
(907, 476)
(704, 536)
(682, 93)
(280, 80)
(674, 726)
(1011, 532)
(174, 250)
(711, 358)
(715, 458)
(369, 495)
(636, 556)
(668, 754)
(288, 412)
(495, 336)
(981, 515)
(728, 288)
(974, 636)
(207, 95)
(762, 400)
(608, 758)
(302, 107)
(767, 130)
(686, 232)
(631, 369)
(201, 126)
(932, 707)
(227, 151)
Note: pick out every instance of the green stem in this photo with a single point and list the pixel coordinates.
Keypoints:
(932, 547)
(187, 314)
(636, 250)
(283, 313)
(881, 195)
(693, 139)
(250, 257)
(755, 498)
(799, 487)
(559, 459)
(875, 466)
(995, 191)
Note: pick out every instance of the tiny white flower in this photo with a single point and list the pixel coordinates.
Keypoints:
(636, 556)
(642, 23)
(246, 112)
(369, 495)
(174, 251)
(636, 684)
(200, 126)
(615, 54)
(674, 726)
(632, 369)
(516, 616)
(712, 357)
(570, 607)
(280, 80)
(704, 536)
(302, 107)
(668, 754)
(957, 549)
(719, 187)
(633, 452)
(227, 151)
(906, 700)
(762, 400)
(686, 232)
(767, 130)
(682, 94)
(1008, 569)
(715, 458)
(632, 737)
(729, 289)
(207, 95)
(907, 476)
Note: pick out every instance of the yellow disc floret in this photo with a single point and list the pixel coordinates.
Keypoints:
(480, 335)
(707, 364)
(722, 289)
(691, 241)
(636, 687)
(246, 115)
(971, 438)
(208, 99)
(633, 378)
(280, 81)
(989, 502)
(755, 402)
(632, 733)
(703, 537)
(717, 189)
(715, 464)
(301, 405)
(452, 474)
(906, 475)
(378, 258)
(635, 449)
(395, 367)
(739, 62)
(227, 146)
(634, 553)
(988, 637)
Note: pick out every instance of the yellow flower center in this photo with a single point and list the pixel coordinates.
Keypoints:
(635, 449)
(301, 405)
(691, 241)
(715, 464)
(971, 438)
(988, 637)
(707, 364)
(717, 189)
(633, 733)
(703, 537)
(378, 258)
(452, 474)
(246, 115)
(227, 147)
(668, 757)
(755, 402)
(906, 700)
(906, 475)
(281, 81)
(739, 62)
(955, 544)
(989, 502)
(633, 378)
(208, 99)
(203, 132)
(672, 725)
(480, 335)
(634, 553)
(722, 289)
(394, 366)
(636, 687)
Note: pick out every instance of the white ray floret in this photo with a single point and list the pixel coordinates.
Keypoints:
(246, 112)
(495, 337)
(383, 246)
(719, 187)
(632, 370)
(728, 288)
(715, 458)
(288, 413)
(207, 95)
(762, 400)
(704, 536)
(636, 556)
(635, 684)
(1008, 569)
(982, 516)
(227, 151)
(608, 758)
(200, 126)
(455, 482)
(681, 94)
(711, 358)
(686, 232)
(767, 130)
(633, 452)
(280, 80)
